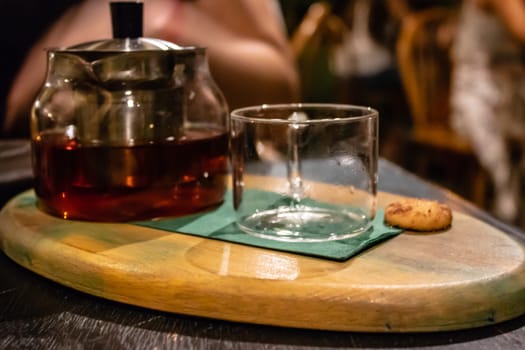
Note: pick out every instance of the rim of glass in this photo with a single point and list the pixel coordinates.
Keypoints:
(368, 112)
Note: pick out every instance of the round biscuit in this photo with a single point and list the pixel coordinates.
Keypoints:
(418, 214)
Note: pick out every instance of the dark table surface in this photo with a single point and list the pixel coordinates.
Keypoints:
(36, 313)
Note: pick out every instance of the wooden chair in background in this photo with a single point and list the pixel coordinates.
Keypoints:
(312, 43)
(423, 55)
(310, 27)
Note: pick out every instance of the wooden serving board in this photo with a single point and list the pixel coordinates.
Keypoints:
(470, 275)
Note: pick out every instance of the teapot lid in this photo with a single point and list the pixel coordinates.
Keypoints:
(126, 20)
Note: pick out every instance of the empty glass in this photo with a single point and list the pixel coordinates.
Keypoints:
(304, 172)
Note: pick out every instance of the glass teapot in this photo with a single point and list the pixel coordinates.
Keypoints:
(129, 128)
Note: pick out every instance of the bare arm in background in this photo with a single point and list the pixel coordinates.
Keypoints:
(511, 13)
(248, 49)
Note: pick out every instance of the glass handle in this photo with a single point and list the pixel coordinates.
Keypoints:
(293, 165)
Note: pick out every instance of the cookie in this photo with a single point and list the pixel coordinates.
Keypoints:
(418, 214)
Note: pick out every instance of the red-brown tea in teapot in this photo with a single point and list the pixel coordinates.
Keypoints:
(120, 183)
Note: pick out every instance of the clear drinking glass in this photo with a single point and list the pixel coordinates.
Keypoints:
(304, 172)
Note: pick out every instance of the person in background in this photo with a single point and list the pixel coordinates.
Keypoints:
(365, 65)
(488, 93)
(249, 54)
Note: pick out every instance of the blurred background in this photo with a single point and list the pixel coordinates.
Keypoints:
(429, 68)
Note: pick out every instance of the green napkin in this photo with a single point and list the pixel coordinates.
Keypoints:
(220, 224)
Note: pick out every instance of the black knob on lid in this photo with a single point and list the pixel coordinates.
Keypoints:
(126, 19)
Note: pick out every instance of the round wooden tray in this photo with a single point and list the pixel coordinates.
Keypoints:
(470, 275)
